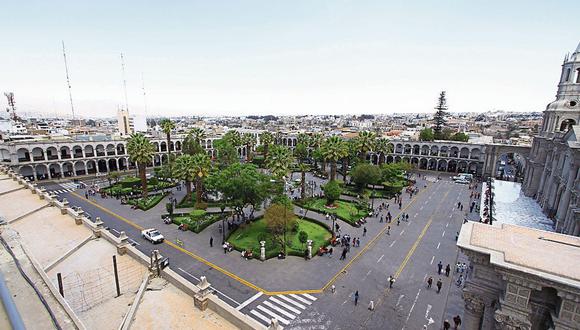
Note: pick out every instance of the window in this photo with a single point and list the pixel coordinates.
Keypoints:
(567, 74)
(578, 76)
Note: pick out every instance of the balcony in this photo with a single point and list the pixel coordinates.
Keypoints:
(110, 153)
(38, 158)
(22, 160)
(65, 156)
(90, 155)
(52, 157)
(78, 156)
(100, 154)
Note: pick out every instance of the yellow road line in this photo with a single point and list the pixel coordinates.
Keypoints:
(371, 243)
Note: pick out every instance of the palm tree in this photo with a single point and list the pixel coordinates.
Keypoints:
(278, 138)
(351, 156)
(201, 166)
(365, 143)
(197, 133)
(279, 160)
(303, 138)
(233, 137)
(249, 140)
(184, 169)
(316, 141)
(383, 147)
(303, 168)
(266, 139)
(167, 125)
(333, 150)
(141, 151)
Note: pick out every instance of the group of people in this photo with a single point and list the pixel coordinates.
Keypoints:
(456, 322)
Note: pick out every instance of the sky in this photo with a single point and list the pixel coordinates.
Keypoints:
(284, 57)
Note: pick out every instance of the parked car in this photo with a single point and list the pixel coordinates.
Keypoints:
(152, 235)
(462, 181)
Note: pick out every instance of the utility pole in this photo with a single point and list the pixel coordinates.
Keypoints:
(124, 82)
(68, 82)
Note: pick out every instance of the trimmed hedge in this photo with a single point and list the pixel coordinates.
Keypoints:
(352, 222)
(196, 220)
(145, 205)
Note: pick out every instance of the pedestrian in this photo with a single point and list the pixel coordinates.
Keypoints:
(460, 280)
(439, 285)
(429, 282)
(457, 321)
(439, 267)
(391, 281)
(400, 204)
(446, 325)
(398, 222)
(456, 236)
(388, 230)
(365, 231)
(211, 241)
(461, 207)
(358, 242)
(407, 217)
(356, 298)
(225, 246)
(330, 252)
(447, 270)
(343, 255)
(381, 219)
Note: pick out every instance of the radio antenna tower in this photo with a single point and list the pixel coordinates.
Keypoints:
(72, 107)
(124, 82)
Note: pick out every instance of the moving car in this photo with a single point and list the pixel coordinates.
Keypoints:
(152, 235)
(462, 181)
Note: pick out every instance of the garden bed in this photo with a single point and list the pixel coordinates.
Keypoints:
(185, 203)
(196, 221)
(248, 237)
(133, 185)
(146, 204)
(347, 211)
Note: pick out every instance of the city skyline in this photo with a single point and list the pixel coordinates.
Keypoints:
(301, 58)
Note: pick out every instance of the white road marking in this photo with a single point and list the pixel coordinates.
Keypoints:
(115, 230)
(450, 216)
(292, 302)
(402, 232)
(285, 305)
(313, 298)
(260, 316)
(297, 297)
(447, 225)
(399, 300)
(280, 310)
(443, 235)
(438, 244)
(214, 289)
(432, 259)
(250, 300)
(428, 310)
(416, 214)
(421, 207)
(381, 258)
(344, 302)
(412, 306)
(393, 243)
(274, 315)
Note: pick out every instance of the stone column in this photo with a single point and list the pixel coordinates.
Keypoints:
(262, 250)
(309, 243)
(473, 311)
(201, 298)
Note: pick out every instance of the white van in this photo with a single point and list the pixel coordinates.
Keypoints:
(463, 176)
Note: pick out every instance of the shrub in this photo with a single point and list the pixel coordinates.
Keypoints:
(332, 191)
(200, 205)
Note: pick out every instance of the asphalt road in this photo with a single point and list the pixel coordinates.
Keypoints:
(410, 253)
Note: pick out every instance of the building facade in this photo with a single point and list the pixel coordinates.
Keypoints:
(552, 176)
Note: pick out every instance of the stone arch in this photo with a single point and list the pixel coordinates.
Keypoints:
(392, 147)
(163, 146)
(408, 149)
(163, 159)
(80, 168)
(475, 154)
(65, 152)
(120, 149)
(171, 146)
(444, 151)
(452, 166)
(41, 171)
(464, 153)
(156, 145)
(432, 165)
(390, 159)
(424, 150)
(112, 164)
(566, 124)
(89, 151)
(454, 152)
(4, 155)
(397, 159)
(122, 164)
(91, 167)
(27, 171)
(423, 163)
(156, 160)
(416, 149)
(100, 150)
(111, 150)
(37, 154)
(102, 165)
(51, 153)
(23, 155)
(434, 150)
(68, 169)
(399, 148)
(414, 161)
(442, 165)
(375, 159)
(178, 145)
(77, 151)
(55, 170)
(472, 168)
(462, 166)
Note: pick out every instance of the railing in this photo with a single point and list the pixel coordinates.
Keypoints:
(38, 158)
(78, 156)
(99, 154)
(52, 157)
(23, 159)
(110, 153)
(65, 156)
(89, 155)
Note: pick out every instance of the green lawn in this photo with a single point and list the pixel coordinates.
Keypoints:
(347, 211)
(196, 221)
(247, 237)
(146, 204)
(132, 184)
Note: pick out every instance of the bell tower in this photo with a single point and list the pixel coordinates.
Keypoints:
(564, 112)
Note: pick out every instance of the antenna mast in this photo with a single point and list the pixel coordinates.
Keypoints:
(72, 107)
(124, 82)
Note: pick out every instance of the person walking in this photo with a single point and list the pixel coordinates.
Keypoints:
(446, 325)
(457, 321)
(356, 298)
(391, 281)
(364, 230)
(439, 285)
(330, 252)
(439, 267)
(429, 282)
(343, 255)
(388, 230)
(211, 241)
(447, 270)
(407, 217)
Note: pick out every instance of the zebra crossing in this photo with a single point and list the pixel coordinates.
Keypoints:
(65, 188)
(284, 308)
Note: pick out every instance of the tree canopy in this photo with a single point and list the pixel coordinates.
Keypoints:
(332, 191)
(426, 134)
(364, 174)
